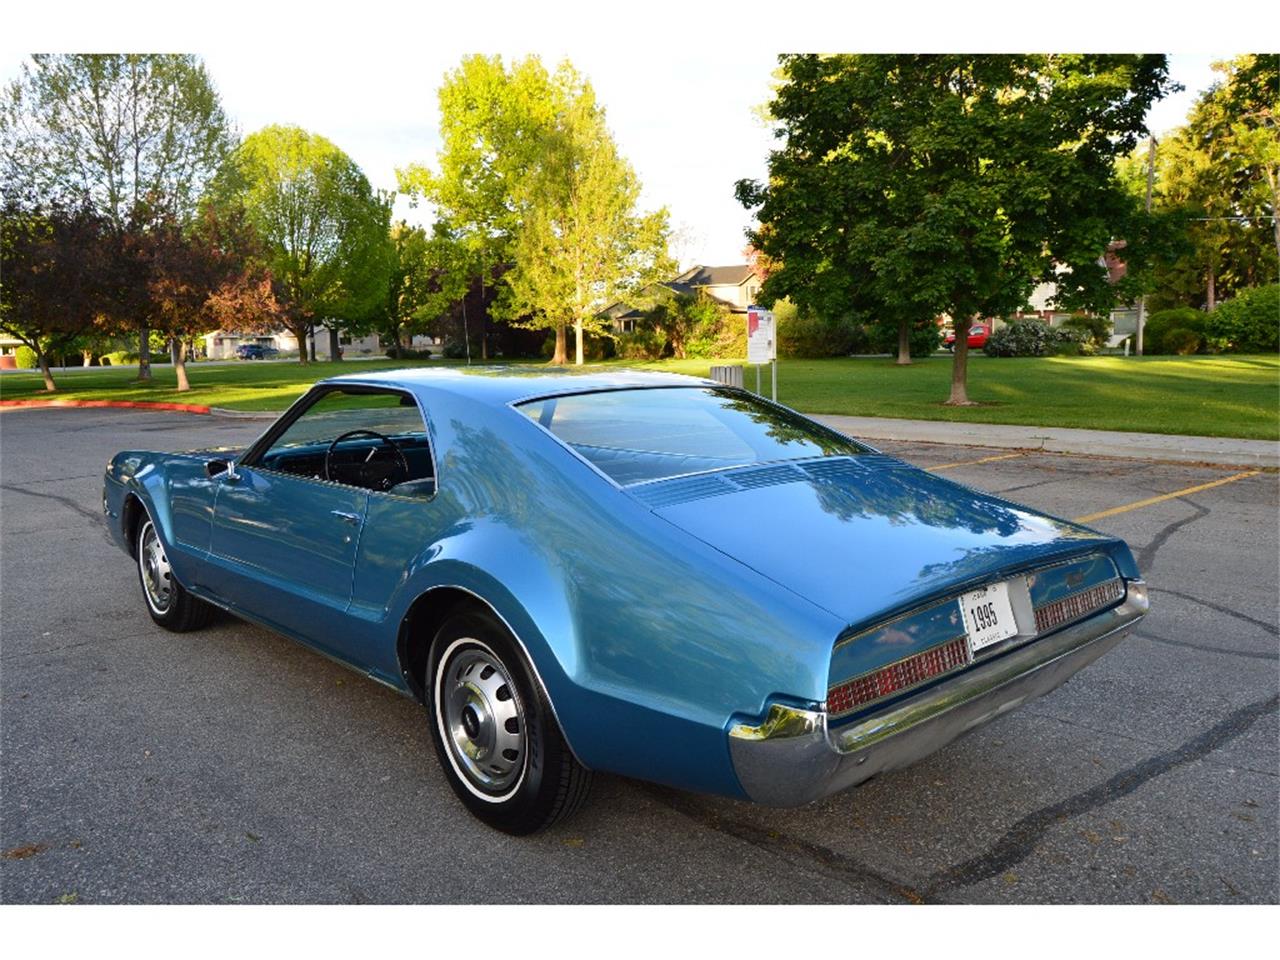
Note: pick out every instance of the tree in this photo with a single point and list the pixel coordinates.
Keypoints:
(133, 137)
(1221, 173)
(491, 118)
(408, 284)
(912, 186)
(581, 243)
(55, 262)
(530, 180)
(324, 231)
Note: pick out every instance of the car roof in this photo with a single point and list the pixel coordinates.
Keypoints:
(500, 385)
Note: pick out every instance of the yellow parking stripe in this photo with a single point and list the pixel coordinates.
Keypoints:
(1165, 496)
(970, 463)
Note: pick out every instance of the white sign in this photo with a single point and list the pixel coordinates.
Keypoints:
(762, 340)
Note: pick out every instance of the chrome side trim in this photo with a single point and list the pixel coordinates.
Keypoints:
(793, 756)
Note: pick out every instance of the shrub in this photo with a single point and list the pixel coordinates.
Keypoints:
(641, 345)
(1182, 341)
(408, 353)
(1248, 323)
(1160, 324)
(1032, 337)
(25, 358)
(455, 351)
(802, 333)
(1094, 332)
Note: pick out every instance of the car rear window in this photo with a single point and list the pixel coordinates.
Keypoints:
(640, 435)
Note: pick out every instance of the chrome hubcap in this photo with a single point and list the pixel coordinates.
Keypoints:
(481, 718)
(157, 578)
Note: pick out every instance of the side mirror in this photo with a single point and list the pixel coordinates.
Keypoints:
(222, 469)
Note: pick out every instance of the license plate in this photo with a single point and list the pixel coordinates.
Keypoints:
(988, 616)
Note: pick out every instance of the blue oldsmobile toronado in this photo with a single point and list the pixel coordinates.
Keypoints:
(648, 574)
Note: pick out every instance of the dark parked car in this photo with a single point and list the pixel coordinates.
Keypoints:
(255, 351)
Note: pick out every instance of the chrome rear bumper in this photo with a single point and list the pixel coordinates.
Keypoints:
(792, 757)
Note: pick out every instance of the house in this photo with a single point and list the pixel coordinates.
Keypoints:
(1124, 319)
(733, 286)
(222, 344)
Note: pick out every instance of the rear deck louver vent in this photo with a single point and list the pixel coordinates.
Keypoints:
(666, 494)
(765, 476)
(838, 469)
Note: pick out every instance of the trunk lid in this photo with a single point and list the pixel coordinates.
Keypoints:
(865, 536)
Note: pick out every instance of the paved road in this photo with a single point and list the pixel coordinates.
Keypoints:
(233, 765)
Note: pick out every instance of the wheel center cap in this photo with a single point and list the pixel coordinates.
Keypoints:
(470, 721)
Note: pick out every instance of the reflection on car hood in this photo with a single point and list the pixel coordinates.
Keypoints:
(862, 536)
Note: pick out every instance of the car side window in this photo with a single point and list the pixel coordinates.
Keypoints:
(358, 436)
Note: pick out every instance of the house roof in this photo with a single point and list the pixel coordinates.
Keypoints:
(703, 276)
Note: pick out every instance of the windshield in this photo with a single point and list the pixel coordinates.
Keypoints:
(635, 436)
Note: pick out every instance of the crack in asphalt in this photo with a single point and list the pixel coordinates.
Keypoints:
(784, 846)
(1026, 486)
(1268, 627)
(1206, 647)
(97, 641)
(1020, 841)
(67, 502)
(23, 483)
(1147, 555)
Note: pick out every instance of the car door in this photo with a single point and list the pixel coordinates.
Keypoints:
(285, 536)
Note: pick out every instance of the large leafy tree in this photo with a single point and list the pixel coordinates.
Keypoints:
(909, 186)
(531, 187)
(56, 262)
(582, 242)
(491, 118)
(1221, 173)
(132, 137)
(324, 231)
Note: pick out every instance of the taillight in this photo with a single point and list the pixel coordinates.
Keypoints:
(1078, 605)
(897, 677)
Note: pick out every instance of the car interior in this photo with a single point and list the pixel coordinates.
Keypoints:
(373, 439)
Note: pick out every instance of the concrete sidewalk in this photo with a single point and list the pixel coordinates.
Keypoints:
(1101, 443)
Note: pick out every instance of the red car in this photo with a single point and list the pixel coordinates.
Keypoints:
(978, 335)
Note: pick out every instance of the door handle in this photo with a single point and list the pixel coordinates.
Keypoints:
(351, 518)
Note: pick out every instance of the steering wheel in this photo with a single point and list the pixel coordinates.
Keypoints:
(371, 473)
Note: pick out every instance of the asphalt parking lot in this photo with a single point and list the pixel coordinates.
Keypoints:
(232, 765)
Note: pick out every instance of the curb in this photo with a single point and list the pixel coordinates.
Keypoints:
(1070, 441)
(123, 404)
(245, 414)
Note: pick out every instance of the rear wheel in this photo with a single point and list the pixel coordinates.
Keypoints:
(168, 603)
(497, 739)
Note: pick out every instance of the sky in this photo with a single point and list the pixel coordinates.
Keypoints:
(679, 84)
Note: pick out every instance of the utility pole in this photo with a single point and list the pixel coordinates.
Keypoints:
(1142, 301)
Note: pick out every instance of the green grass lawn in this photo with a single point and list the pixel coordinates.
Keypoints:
(1223, 396)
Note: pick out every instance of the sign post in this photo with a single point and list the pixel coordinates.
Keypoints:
(762, 344)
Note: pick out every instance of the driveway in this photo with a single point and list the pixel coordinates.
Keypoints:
(232, 765)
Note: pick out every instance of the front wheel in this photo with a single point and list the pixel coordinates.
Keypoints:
(498, 742)
(168, 603)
